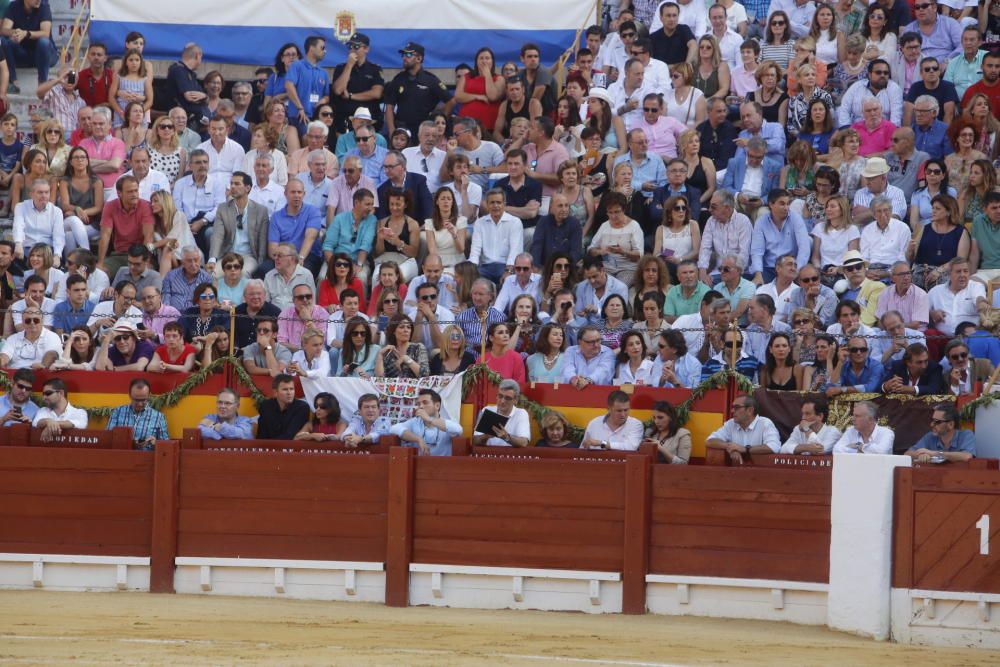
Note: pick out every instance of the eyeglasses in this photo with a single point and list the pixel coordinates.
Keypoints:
(854, 267)
(260, 82)
(902, 274)
(52, 131)
(206, 296)
(675, 75)
(23, 387)
(359, 333)
(522, 269)
(857, 350)
(931, 69)
(810, 279)
(777, 23)
(727, 269)
(48, 392)
(802, 320)
(592, 341)
(506, 397)
(364, 138)
(32, 320)
(303, 297)
(958, 356)
(923, 5)
(227, 267)
(122, 337)
(321, 406)
(388, 166)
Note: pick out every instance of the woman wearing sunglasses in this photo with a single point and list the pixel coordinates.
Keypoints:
(204, 314)
(678, 237)
(453, 357)
(359, 356)
(326, 423)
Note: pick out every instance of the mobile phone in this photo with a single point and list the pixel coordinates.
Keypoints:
(71, 77)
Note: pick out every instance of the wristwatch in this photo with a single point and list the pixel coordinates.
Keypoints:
(268, 348)
(747, 450)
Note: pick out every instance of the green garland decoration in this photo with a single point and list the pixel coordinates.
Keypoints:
(476, 372)
(969, 411)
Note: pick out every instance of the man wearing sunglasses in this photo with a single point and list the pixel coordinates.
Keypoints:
(121, 349)
(16, 406)
(932, 84)
(877, 85)
(356, 83)
(942, 34)
(426, 158)
(33, 347)
(945, 440)
(428, 316)
(961, 372)
(862, 373)
(414, 93)
(56, 412)
(860, 287)
(745, 432)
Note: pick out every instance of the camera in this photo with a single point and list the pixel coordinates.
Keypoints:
(71, 77)
(566, 305)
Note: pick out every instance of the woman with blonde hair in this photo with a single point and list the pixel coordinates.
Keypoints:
(452, 358)
(701, 170)
(53, 142)
(263, 141)
(805, 54)
(833, 238)
(685, 102)
(276, 118)
(711, 73)
(678, 237)
(845, 158)
(42, 262)
(851, 68)
(809, 91)
(171, 231)
(580, 198)
(554, 429)
(979, 110)
(972, 199)
(772, 99)
(166, 154)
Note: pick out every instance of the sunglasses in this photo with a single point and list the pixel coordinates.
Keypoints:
(48, 392)
(651, 110)
(931, 69)
(207, 296)
(165, 126)
(813, 279)
(801, 321)
(122, 337)
(390, 301)
(938, 422)
(32, 320)
(522, 269)
(857, 350)
(321, 406)
(342, 264)
(227, 267)
(326, 114)
(773, 23)
(428, 297)
(363, 138)
(729, 345)
(303, 297)
(359, 332)
(854, 267)
(933, 172)
(455, 336)
(923, 5)
(24, 387)
(958, 356)
(725, 269)
(592, 341)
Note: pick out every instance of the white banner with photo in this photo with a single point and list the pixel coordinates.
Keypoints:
(398, 396)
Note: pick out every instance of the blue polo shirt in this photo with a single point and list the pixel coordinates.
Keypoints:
(25, 20)
(934, 140)
(65, 317)
(286, 228)
(964, 441)
(311, 83)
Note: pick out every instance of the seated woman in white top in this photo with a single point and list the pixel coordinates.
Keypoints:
(632, 364)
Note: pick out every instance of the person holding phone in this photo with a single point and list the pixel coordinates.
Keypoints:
(148, 424)
(16, 406)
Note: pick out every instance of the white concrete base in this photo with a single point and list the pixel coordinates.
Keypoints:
(939, 618)
(74, 573)
(300, 579)
(472, 587)
(758, 599)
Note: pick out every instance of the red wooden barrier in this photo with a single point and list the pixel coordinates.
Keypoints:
(66, 501)
(740, 522)
(278, 505)
(464, 447)
(940, 529)
(23, 435)
(192, 439)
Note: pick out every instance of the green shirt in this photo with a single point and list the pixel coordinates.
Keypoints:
(987, 237)
(676, 305)
(962, 73)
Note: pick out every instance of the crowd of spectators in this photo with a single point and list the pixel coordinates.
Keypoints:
(803, 192)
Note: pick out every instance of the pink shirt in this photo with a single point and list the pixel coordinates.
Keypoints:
(742, 81)
(548, 162)
(662, 135)
(108, 149)
(913, 306)
(877, 141)
(291, 328)
(342, 195)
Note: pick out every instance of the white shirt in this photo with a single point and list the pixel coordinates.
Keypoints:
(318, 368)
(224, 161)
(473, 190)
(880, 442)
(753, 181)
(625, 438)
(191, 198)
(864, 197)
(656, 76)
(48, 308)
(446, 297)
(415, 161)
(271, 197)
(958, 306)
(32, 226)
(23, 352)
(694, 15)
(107, 309)
(499, 242)
(624, 374)
(512, 289)
(885, 247)
(827, 436)
(76, 416)
(761, 431)
(799, 15)
(781, 301)
(693, 330)
(336, 323)
(422, 333)
(518, 424)
(619, 97)
(891, 98)
(155, 181)
(729, 47)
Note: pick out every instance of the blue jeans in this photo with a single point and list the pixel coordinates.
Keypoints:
(42, 54)
(768, 274)
(493, 271)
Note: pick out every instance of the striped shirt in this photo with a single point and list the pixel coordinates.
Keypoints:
(472, 325)
(144, 424)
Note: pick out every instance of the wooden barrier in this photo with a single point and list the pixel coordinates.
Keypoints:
(718, 457)
(464, 447)
(946, 523)
(69, 501)
(23, 435)
(740, 522)
(192, 439)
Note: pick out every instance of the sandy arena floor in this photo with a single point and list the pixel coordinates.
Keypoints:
(44, 628)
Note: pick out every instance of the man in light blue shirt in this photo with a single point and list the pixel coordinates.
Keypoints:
(966, 68)
(297, 223)
(367, 425)
(371, 155)
(226, 424)
(16, 406)
(942, 34)
(431, 432)
(592, 292)
(778, 232)
(306, 83)
(754, 125)
(353, 232)
(746, 433)
(648, 171)
(589, 362)
(945, 439)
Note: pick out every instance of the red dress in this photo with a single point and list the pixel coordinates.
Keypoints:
(509, 365)
(186, 352)
(328, 294)
(484, 112)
